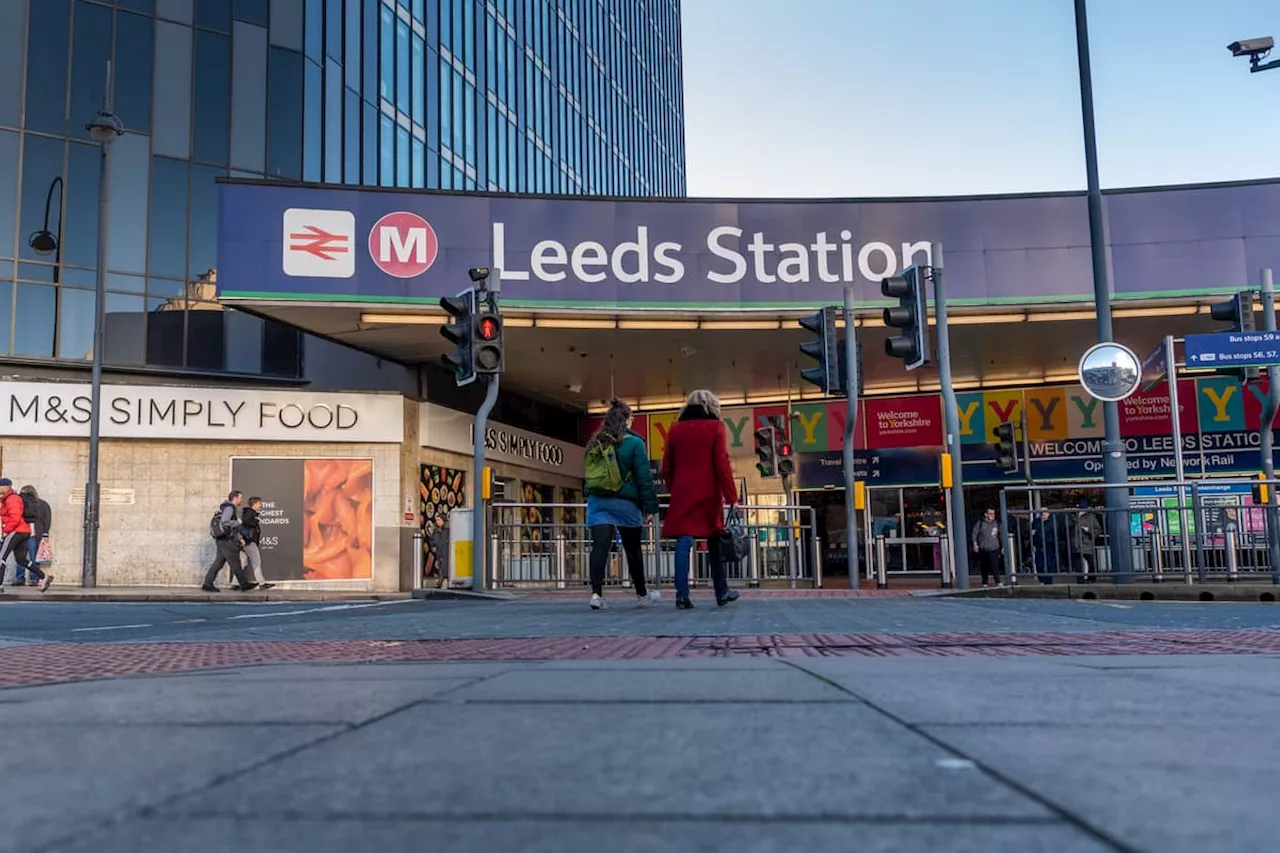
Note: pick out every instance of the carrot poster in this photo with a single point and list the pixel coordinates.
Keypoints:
(317, 516)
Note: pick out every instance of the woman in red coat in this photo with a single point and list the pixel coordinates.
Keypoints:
(696, 469)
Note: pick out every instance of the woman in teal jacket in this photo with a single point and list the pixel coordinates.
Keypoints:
(621, 513)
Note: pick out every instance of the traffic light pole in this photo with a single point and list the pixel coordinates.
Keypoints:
(1269, 409)
(951, 421)
(480, 545)
(850, 425)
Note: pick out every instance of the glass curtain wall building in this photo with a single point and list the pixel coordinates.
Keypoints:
(528, 96)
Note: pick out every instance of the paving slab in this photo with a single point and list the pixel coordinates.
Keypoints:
(204, 700)
(1172, 788)
(318, 835)
(816, 760)
(62, 780)
(782, 684)
(352, 672)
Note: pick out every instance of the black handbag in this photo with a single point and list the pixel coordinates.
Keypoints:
(735, 542)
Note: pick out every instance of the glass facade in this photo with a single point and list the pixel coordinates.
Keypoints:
(528, 96)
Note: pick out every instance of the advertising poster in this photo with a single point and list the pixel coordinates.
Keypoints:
(440, 490)
(536, 521)
(317, 516)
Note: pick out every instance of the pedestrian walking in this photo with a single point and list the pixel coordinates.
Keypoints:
(1046, 546)
(620, 495)
(251, 539)
(224, 528)
(697, 471)
(39, 515)
(1086, 528)
(988, 543)
(17, 532)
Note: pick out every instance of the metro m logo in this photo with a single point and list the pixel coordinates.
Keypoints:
(403, 245)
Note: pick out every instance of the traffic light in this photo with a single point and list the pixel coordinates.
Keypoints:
(1238, 311)
(786, 463)
(459, 331)
(767, 451)
(1006, 448)
(825, 350)
(909, 316)
(488, 337)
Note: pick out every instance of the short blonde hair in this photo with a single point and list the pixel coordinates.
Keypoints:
(704, 399)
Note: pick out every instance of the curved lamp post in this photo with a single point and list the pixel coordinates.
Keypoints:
(105, 129)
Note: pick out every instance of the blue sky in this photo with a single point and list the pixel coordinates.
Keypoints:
(944, 97)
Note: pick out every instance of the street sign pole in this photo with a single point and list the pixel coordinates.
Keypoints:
(850, 423)
(951, 422)
(1179, 465)
(1269, 409)
(479, 544)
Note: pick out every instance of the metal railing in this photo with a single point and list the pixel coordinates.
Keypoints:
(1191, 532)
(887, 564)
(548, 545)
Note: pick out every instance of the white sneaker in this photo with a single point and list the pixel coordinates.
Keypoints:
(648, 598)
(597, 602)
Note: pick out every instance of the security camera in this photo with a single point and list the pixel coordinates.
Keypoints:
(478, 273)
(1252, 47)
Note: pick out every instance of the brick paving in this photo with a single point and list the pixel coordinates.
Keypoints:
(839, 592)
(64, 662)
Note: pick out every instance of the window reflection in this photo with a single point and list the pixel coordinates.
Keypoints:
(313, 123)
(419, 64)
(41, 167)
(6, 314)
(249, 97)
(402, 67)
(168, 217)
(252, 11)
(90, 53)
(333, 123)
(213, 15)
(387, 47)
(172, 119)
(135, 39)
(8, 191)
(212, 97)
(75, 323)
(125, 330)
(370, 147)
(12, 38)
(284, 114)
(175, 10)
(419, 163)
(351, 167)
(126, 283)
(35, 308)
(244, 342)
(127, 236)
(387, 149)
(203, 233)
(402, 157)
(80, 234)
(47, 63)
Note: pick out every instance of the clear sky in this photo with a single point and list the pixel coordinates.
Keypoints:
(816, 98)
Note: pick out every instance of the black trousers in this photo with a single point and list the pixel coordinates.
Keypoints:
(16, 544)
(602, 545)
(228, 555)
(989, 563)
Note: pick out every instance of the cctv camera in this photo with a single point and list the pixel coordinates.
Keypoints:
(478, 273)
(1251, 47)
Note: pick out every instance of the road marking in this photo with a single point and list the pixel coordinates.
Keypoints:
(111, 628)
(955, 764)
(329, 609)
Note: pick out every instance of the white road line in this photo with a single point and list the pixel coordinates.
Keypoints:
(329, 609)
(111, 628)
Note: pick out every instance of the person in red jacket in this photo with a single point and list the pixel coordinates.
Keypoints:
(17, 530)
(696, 469)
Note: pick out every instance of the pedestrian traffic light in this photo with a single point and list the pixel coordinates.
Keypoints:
(460, 330)
(488, 337)
(1006, 447)
(909, 316)
(1238, 311)
(1262, 491)
(825, 350)
(767, 451)
(786, 463)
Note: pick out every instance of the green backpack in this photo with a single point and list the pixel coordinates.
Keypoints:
(603, 476)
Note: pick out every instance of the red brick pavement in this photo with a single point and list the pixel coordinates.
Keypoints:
(618, 591)
(59, 662)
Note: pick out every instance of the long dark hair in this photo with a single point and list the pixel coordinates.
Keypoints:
(614, 428)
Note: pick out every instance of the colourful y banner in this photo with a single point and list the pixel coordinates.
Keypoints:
(1084, 414)
(659, 426)
(809, 428)
(1046, 414)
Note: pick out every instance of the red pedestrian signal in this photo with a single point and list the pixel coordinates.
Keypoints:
(490, 328)
(786, 463)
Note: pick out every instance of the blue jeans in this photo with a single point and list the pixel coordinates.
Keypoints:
(684, 552)
(19, 573)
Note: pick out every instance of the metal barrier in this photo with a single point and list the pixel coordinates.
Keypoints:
(882, 564)
(1196, 531)
(549, 546)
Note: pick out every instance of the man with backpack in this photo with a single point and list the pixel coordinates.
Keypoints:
(224, 527)
(17, 531)
(37, 513)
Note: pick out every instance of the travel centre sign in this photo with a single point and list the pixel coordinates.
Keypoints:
(319, 243)
(62, 410)
(898, 439)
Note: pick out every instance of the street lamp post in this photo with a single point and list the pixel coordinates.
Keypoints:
(105, 129)
(46, 242)
(1115, 468)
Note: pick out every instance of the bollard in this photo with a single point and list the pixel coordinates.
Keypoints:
(882, 560)
(1233, 561)
(562, 561)
(944, 559)
(817, 557)
(1157, 559)
(1009, 559)
(418, 579)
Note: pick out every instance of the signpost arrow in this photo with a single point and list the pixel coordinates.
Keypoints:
(1233, 349)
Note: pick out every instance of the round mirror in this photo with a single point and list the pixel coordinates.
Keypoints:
(1110, 371)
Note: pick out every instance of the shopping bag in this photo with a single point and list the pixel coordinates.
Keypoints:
(44, 551)
(734, 542)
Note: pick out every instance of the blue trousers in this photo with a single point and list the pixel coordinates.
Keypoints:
(684, 553)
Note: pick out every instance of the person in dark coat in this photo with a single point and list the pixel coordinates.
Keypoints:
(1046, 546)
(621, 513)
(696, 469)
